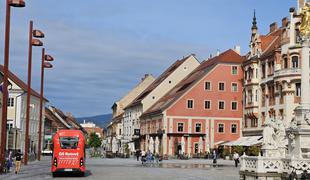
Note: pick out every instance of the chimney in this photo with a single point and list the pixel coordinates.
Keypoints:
(237, 49)
(284, 22)
(273, 27)
(217, 52)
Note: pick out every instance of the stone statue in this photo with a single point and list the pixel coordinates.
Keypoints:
(269, 136)
(280, 134)
(305, 20)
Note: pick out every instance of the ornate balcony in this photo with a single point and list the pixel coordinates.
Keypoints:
(287, 72)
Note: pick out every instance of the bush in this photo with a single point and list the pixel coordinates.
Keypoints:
(253, 151)
(225, 153)
(238, 149)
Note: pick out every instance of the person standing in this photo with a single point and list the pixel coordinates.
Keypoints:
(214, 157)
(10, 161)
(18, 159)
(138, 154)
(236, 159)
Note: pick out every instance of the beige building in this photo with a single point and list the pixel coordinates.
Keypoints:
(114, 129)
(272, 74)
(163, 84)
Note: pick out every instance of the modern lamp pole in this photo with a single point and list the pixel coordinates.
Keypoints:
(32, 42)
(9, 3)
(43, 65)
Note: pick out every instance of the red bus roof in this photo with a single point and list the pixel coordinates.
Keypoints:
(69, 132)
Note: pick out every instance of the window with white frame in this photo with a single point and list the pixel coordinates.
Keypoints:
(234, 70)
(207, 104)
(234, 87)
(234, 128)
(234, 105)
(180, 127)
(190, 104)
(220, 128)
(10, 102)
(221, 105)
(198, 127)
(221, 86)
(208, 86)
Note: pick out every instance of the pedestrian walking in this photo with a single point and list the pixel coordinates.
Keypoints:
(236, 158)
(18, 159)
(138, 152)
(214, 157)
(10, 161)
(143, 156)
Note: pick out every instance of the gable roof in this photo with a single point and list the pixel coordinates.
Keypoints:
(51, 116)
(271, 42)
(157, 82)
(229, 56)
(20, 83)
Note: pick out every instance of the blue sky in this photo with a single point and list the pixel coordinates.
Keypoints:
(102, 48)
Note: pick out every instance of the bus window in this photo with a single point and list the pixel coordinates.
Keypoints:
(68, 142)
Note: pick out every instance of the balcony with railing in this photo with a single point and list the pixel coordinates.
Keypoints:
(287, 72)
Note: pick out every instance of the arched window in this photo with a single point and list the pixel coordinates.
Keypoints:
(295, 62)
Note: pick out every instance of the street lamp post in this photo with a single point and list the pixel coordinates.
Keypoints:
(43, 65)
(32, 42)
(9, 3)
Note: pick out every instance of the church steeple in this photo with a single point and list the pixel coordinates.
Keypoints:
(254, 23)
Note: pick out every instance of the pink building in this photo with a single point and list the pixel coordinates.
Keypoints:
(202, 111)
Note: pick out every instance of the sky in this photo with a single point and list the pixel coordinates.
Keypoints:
(103, 48)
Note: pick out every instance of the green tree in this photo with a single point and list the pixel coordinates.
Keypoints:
(94, 140)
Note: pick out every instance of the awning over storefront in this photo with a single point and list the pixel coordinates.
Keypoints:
(246, 141)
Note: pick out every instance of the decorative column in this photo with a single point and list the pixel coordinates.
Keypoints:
(299, 132)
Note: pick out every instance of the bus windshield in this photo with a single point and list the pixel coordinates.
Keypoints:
(68, 142)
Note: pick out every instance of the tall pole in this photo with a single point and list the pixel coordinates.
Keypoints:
(28, 94)
(41, 104)
(5, 82)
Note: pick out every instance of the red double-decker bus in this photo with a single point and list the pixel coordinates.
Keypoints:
(68, 152)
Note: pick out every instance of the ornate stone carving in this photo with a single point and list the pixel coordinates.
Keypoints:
(305, 20)
(307, 117)
(274, 135)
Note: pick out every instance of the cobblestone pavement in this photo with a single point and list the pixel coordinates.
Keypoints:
(127, 169)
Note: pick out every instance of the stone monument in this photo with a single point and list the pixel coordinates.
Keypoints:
(299, 131)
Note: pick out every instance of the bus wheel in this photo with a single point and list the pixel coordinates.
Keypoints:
(54, 174)
(82, 174)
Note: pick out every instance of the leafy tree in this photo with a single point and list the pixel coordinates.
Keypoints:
(94, 140)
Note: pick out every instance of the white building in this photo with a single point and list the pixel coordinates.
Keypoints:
(16, 116)
(272, 74)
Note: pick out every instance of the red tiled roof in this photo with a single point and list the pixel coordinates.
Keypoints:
(161, 78)
(205, 67)
(20, 83)
(271, 41)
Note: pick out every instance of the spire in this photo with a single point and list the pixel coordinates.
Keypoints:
(254, 23)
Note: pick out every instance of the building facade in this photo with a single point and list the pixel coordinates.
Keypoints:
(16, 116)
(114, 129)
(163, 84)
(272, 75)
(200, 112)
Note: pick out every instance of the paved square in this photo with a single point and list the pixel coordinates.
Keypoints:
(127, 169)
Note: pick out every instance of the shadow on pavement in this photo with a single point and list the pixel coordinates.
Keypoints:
(74, 174)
